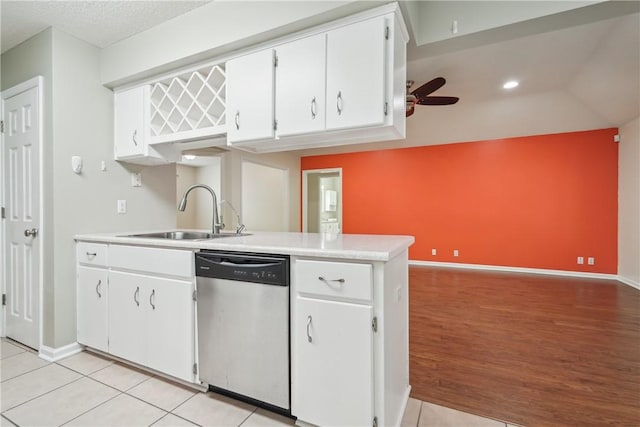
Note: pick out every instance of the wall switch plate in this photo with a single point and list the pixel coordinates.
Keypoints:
(580, 260)
(136, 179)
(455, 252)
(122, 206)
(591, 260)
(103, 166)
(433, 252)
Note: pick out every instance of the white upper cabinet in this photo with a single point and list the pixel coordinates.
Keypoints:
(250, 97)
(356, 75)
(339, 83)
(131, 118)
(300, 86)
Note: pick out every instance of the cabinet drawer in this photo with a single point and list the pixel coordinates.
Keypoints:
(91, 253)
(334, 279)
(162, 262)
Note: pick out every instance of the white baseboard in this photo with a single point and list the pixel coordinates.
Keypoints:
(51, 354)
(518, 270)
(629, 282)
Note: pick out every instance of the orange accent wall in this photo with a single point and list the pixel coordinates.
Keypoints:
(536, 202)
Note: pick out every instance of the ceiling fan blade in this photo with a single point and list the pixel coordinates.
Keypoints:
(438, 100)
(429, 87)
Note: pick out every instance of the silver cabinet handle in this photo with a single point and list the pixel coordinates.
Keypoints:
(30, 232)
(323, 279)
(152, 299)
(339, 102)
(309, 337)
(313, 108)
(98, 289)
(237, 120)
(133, 137)
(135, 296)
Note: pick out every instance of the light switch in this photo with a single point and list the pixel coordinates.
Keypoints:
(136, 179)
(122, 206)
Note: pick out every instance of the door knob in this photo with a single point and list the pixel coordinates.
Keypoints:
(31, 232)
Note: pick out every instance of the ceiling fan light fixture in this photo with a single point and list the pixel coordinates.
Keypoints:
(511, 84)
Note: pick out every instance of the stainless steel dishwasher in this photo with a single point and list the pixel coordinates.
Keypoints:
(243, 325)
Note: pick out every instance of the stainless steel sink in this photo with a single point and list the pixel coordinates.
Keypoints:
(185, 235)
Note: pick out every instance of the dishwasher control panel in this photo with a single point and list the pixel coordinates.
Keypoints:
(258, 268)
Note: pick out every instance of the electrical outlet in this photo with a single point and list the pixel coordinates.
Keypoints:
(433, 252)
(455, 252)
(580, 260)
(122, 206)
(591, 261)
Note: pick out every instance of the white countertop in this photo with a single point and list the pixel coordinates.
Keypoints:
(369, 247)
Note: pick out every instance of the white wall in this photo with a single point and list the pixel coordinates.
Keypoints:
(264, 197)
(629, 203)
(232, 185)
(211, 176)
(185, 177)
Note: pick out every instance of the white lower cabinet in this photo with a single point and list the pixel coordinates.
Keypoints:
(149, 318)
(92, 307)
(333, 377)
(138, 305)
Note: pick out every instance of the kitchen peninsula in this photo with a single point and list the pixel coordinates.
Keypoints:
(348, 302)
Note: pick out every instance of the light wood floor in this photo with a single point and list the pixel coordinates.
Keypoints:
(526, 349)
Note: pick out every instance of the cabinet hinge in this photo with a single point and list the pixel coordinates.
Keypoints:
(195, 368)
(194, 296)
(275, 59)
(386, 33)
(375, 422)
(386, 108)
(1, 126)
(374, 324)
(4, 299)
(275, 125)
(3, 217)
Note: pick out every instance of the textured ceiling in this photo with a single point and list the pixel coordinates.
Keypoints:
(100, 23)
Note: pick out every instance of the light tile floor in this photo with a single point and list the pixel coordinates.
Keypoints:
(88, 390)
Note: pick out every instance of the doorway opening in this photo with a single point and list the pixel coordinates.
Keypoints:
(322, 201)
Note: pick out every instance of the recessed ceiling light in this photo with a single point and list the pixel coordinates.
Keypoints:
(188, 157)
(510, 84)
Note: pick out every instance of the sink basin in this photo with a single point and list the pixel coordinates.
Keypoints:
(186, 235)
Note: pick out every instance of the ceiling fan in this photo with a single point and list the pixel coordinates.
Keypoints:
(421, 96)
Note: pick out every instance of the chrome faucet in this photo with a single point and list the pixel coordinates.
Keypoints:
(240, 226)
(216, 225)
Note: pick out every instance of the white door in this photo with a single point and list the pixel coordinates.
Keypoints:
(170, 315)
(130, 118)
(356, 74)
(300, 86)
(127, 317)
(250, 97)
(333, 370)
(92, 307)
(21, 154)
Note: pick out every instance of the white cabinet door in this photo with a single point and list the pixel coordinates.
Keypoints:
(332, 382)
(250, 97)
(92, 307)
(300, 86)
(356, 75)
(151, 322)
(170, 322)
(131, 114)
(127, 317)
